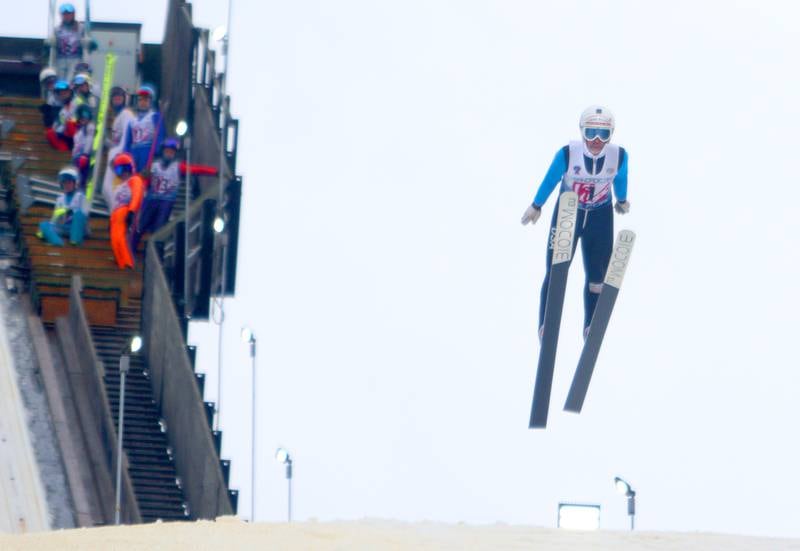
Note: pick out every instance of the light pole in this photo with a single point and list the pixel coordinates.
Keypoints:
(282, 455)
(181, 129)
(132, 347)
(222, 34)
(625, 489)
(249, 337)
(219, 229)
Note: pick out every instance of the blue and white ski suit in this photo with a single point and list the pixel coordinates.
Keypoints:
(593, 179)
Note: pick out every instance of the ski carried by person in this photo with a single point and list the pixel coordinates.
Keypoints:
(602, 314)
(560, 249)
(102, 112)
(596, 171)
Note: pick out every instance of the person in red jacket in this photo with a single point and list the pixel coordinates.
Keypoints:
(127, 199)
(165, 180)
(64, 125)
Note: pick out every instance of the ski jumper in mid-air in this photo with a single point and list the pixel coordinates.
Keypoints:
(592, 168)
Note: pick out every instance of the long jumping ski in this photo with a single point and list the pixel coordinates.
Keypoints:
(602, 314)
(561, 244)
(102, 111)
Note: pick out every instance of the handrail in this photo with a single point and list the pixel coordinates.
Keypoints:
(205, 101)
(100, 411)
(179, 399)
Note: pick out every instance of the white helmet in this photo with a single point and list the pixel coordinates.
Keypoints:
(46, 73)
(597, 117)
(68, 172)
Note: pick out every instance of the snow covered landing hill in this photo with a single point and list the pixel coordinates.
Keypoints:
(231, 533)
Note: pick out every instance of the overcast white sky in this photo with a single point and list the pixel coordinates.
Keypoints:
(388, 151)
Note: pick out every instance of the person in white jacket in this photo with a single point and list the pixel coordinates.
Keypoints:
(122, 116)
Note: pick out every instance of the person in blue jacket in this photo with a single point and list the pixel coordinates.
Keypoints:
(593, 168)
(145, 132)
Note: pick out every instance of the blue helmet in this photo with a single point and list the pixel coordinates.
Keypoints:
(61, 85)
(66, 8)
(170, 143)
(146, 90)
(80, 78)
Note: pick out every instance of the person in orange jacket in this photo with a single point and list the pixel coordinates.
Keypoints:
(127, 199)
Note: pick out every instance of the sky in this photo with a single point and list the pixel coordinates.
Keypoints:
(388, 152)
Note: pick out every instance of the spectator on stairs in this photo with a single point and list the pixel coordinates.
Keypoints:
(82, 86)
(64, 126)
(165, 180)
(145, 132)
(51, 104)
(69, 215)
(82, 143)
(70, 39)
(122, 116)
(127, 199)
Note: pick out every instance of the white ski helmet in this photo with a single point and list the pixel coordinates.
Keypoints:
(68, 173)
(597, 117)
(47, 72)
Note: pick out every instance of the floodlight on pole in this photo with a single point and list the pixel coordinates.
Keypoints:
(625, 489)
(136, 344)
(218, 313)
(222, 34)
(133, 346)
(219, 226)
(282, 456)
(181, 128)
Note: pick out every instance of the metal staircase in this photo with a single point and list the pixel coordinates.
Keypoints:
(151, 466)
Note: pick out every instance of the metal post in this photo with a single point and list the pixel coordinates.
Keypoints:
(252, 343)
(124, 364)
(289, 479)
(51, 33)
(222, 164)
(632, 506)
(221, 301)
(223, 114)
(186, 307)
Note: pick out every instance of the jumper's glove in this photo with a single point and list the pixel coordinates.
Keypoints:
(532, 214)
(622, 207)
(83, 161)
(129, 219)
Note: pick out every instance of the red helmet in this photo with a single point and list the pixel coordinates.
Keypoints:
(123, 163)
(123, 159)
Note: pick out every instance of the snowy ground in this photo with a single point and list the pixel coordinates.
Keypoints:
(230, 533)
(23, 506)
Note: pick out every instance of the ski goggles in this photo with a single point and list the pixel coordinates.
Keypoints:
(589, 134)
(119, 170)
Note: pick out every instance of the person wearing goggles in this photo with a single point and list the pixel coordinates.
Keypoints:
(597, 171)
(127, 199)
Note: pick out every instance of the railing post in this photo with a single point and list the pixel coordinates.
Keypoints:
(178, 263)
